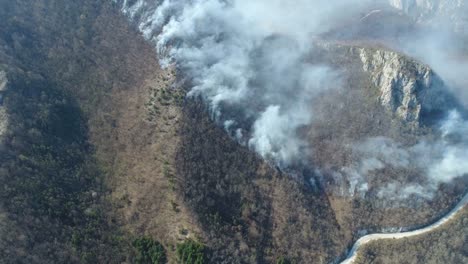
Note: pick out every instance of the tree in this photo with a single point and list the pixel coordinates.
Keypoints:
(149, 251)
(191, 252)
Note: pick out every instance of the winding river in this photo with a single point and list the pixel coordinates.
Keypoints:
(372, 237)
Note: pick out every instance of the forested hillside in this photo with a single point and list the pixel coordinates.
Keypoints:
(105, 159)
(59, 66)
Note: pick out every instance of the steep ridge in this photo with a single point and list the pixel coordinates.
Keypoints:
(3, 112)
(51, 191)
(406, 87)
(133, 157)
(144, 146)
(388, 94)
(78, 81)
(243, 201)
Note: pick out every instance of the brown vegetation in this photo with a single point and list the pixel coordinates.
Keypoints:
(144, 163)
(447, 244)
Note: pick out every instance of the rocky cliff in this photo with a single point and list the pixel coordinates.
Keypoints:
(3, 114)
(407, 88)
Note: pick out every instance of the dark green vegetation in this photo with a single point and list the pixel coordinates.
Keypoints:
(191, 252)
(445, 245)
(149, 251)
(50, 180)
(282, 260)
(52, 196)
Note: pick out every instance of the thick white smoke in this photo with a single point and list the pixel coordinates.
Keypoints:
(248, 61)
(441, 160)
(248, 57)
(440, 41)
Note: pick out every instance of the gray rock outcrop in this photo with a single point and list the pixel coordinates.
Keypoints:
(3, 113)
(406, 87)
(3, 81)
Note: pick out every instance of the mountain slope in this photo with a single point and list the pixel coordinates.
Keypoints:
(104, 154)
(62, 64)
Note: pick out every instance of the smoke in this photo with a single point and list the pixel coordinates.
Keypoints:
(441, 160)
(248, 61)
(452, 150)
(440, 40)
(442, 14)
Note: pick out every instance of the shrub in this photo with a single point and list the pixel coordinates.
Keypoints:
(282, 260)
(149, 251)
(191, 252)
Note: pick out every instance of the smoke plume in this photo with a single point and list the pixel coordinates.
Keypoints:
(248, 61)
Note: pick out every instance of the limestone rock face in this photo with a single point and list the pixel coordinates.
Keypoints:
(3, 113)
(407, 87)
(3, 81)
